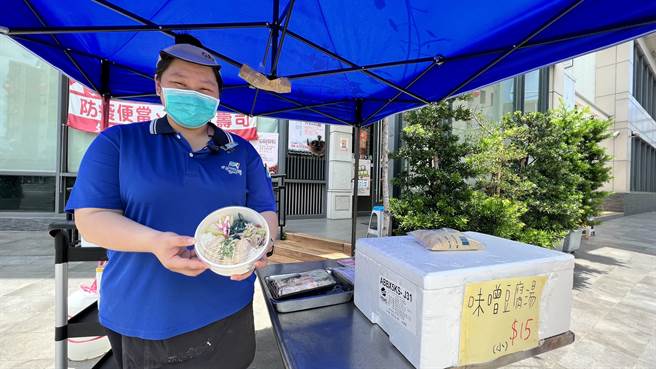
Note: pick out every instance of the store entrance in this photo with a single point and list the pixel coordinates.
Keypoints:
(369, 186)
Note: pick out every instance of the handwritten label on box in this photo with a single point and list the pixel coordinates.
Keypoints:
(499, 317)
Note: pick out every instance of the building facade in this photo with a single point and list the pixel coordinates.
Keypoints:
(618, 83)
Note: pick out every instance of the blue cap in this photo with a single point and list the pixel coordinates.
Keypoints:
(190, 53)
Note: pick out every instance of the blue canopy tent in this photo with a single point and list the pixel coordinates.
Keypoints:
(349, 62)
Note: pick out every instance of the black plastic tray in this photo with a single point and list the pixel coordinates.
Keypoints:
(340, 293)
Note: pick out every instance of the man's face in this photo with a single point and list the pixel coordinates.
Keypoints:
(188, 76)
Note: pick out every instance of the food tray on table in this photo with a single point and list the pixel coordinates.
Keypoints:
(329, 289)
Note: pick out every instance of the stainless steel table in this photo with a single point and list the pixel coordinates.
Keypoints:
(341, 337)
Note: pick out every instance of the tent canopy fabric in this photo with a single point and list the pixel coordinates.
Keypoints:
(349, 61)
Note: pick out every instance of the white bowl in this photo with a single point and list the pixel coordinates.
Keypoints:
(249, 215)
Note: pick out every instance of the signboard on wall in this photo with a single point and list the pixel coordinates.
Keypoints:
(302, 132)
(85, 113)
(364, 181)
(344, 144)
(267, 146)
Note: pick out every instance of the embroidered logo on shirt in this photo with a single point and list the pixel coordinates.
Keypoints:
(232, 168)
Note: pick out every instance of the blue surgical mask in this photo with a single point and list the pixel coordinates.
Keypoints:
(188, 108)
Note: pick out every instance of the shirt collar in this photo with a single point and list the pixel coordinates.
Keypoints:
(221, 138)
(161, 126)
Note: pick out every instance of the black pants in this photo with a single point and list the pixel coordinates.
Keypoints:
(226, 344)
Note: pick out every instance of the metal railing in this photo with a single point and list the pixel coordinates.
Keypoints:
(279, 189)
(305, 185)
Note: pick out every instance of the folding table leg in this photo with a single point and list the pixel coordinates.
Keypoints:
(61, 315)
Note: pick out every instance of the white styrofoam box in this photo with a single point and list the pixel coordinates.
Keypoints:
(425, 326)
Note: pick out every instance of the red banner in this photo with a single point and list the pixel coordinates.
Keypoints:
(239, 124)
(85, 112)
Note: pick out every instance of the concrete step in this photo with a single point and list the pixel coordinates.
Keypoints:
(305, 252)
(614, 202)
(319, 242)
(279, 259)
(28, 221)
(608, 215)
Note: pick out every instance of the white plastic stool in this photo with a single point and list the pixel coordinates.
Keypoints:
(376, 226)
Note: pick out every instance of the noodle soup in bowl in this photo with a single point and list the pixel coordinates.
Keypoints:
(230, 240)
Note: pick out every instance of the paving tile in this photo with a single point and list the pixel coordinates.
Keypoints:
(641, 300)
(13, 284)
(649, 280)
(28, 364)
(22, 347)
(644, 365)
(634, 319)
(588, 354)
(620, 337)
(581, 355)
(611, 290)
(649, 355)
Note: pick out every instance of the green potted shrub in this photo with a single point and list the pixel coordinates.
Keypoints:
(594, 166)
(433, 183)
(533, 177)
(554, 202)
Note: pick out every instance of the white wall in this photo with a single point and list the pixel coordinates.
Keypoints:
(583, 72)
(603, 81)
(614, 94)
(340, 173)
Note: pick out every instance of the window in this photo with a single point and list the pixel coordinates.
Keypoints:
(29, 110)
(78, 143)
(27, 193)
(495, 100)
(531, 91)
(583, 70)
(643, 166)
(527, 93)
(644, 82)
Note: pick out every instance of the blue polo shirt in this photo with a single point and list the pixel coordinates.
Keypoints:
(150, 172)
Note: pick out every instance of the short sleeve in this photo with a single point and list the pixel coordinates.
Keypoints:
(97, 183)
(260, 191)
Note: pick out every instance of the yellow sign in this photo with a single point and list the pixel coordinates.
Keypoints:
(499, 317)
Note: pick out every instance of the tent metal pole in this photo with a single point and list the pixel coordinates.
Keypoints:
(257, 92)
(356, 172)
(278, 48)
(147, 22)
(302, 107)
(591, 33)
(273, 39)
(133, 71)
(66, 52)
(366, 72)
(127, 97)
(105, 93)
(514, 48)
(137, 28)
(233, 87)
(81, 53)
(274, 36)
(359, 69)
(437, 61)
(230, 107)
